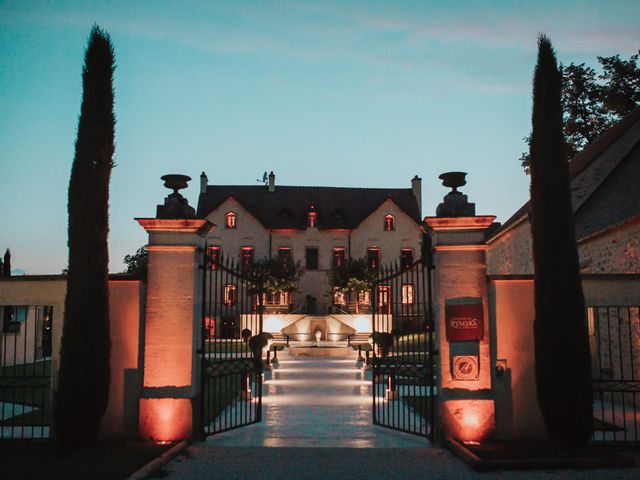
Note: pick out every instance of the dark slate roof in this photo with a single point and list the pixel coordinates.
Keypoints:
(620, 196)
(616, 200)
(287, 206)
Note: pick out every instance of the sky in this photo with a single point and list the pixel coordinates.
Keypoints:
(337, 93)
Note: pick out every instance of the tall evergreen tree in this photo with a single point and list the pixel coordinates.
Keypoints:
(83, 385)
(6, 265)
(563, 374)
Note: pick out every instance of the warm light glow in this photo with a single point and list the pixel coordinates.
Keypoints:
(362, 324)
(272, 323)
(470, 420)
(165, 419)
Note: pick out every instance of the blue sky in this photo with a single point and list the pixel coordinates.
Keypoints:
(323, 93)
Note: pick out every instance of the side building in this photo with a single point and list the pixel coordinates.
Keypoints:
(317, 227)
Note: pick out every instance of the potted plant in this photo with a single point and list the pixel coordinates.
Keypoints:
(383, 341)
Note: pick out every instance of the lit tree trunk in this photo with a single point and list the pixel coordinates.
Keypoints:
(563, 367)
(83, 384)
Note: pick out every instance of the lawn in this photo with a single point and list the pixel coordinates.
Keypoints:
(104, 460)
(28, 384)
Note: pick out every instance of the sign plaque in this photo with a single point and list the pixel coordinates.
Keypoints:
(465, 367)
(464, 323)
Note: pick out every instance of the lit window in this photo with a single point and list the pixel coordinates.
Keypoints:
(338, 257)
(230, 294)
(230, 220)
(246, 254)
(373, 258)
(283, 298)
(214, 257)
(407, 293)
(364, 298)
(406, 257)
(389, 223)
(384, 295)
(312, 258)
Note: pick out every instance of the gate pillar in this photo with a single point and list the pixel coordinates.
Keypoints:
(466, 408)
(172, 332)
(172, 322)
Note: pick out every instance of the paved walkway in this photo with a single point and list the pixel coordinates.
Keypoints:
(326, 402)
(316, 402)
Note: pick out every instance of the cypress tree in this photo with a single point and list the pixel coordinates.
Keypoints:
(563, 368)
(6, 265)
(83, 383)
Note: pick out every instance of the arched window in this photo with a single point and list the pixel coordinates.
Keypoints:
(389, 223)
(230, 220)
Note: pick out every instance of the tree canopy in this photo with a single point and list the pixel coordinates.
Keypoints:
(352, 276)
(137, 263)
(592, 101)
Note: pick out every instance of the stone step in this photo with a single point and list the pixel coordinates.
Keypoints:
(322, 352)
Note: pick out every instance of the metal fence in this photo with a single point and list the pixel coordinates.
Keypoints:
(614, 340)
(25, 371)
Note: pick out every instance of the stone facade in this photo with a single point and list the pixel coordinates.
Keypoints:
(249, 232)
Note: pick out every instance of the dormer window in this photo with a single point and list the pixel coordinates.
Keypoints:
(389, 223)
(230, 220)
(312, 217)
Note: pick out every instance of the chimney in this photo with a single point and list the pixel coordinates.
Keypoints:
(416, 186)
(204, 182)
(272, 182)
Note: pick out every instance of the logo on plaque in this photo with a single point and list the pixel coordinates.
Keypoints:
(464, 323)
(465, 367)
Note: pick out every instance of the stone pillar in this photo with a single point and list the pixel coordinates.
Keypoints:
(466, 407)
(172, 328)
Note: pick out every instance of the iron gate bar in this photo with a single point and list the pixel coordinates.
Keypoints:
(616, 383)
(403, 390)
(25, 371)
(231, 381)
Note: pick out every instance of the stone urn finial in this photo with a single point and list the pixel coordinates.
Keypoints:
(453, 180)
(176, 182)
(175, 205)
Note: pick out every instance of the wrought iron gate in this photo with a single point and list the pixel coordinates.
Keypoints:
(614, 334)
(231, 391)
(404, 387)
(25, 371)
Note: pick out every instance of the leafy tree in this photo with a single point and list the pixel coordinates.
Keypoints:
(137, 263)
(278, 276)
(592, 102)
(563, 375)
(353, 276)
(83, 383)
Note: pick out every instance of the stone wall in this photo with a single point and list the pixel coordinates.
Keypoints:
(126, 300)
(615, 251)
